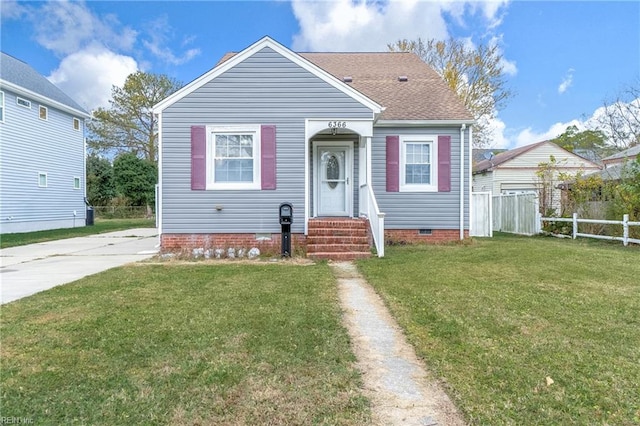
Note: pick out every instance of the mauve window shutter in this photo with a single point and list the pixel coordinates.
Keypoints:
(268, 156)
(444, 163)
(393, 163)
(198, 158)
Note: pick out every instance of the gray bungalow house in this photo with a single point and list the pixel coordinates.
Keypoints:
(42, 152)
(367, 147)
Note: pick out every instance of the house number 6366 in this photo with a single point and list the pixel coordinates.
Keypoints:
(337, 125)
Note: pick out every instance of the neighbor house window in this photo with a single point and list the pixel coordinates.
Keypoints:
(418, 163)
(23, 103)
(43, 112)
(76, 182)
(76, 124)
(233, 158)
(42, 180)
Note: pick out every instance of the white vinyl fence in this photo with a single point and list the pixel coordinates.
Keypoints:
(575, 221)
(516, 213)
(481, 221)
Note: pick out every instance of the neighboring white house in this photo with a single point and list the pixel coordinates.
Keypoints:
(42, 152)
(515, 170)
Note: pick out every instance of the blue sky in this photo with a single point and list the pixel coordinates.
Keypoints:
(562, 58)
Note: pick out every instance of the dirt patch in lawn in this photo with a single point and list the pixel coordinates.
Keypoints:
(400, 388)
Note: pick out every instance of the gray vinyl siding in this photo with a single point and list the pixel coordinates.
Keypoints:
(31, 146)
(420, 210)
(266, 88)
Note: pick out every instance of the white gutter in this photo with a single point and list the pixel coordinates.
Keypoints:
(43, 99)
(422, 123)
(462, 128)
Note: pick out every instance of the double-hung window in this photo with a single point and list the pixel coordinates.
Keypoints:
(233, 158)
(418, 163)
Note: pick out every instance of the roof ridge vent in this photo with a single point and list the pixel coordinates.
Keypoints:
(347, 79)
(403, 78)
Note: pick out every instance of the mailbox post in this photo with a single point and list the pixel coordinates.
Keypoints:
(286, 217)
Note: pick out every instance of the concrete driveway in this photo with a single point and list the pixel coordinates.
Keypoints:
(26, 270)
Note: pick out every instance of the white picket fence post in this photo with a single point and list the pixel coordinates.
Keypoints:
(575, 225)
(625, 230)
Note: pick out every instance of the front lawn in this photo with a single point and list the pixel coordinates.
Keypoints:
(201, 343)
(524, 331)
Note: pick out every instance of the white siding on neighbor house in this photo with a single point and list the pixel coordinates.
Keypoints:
(542, 154)
(265, 88)
(421, 210)
(31, 146)
(483, 182)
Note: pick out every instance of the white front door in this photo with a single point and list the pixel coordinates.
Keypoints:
(333, 180)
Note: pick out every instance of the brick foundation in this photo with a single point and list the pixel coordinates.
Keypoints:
(175, 242)
(412, 236)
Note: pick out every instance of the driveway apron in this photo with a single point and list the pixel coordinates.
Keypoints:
(26, 270)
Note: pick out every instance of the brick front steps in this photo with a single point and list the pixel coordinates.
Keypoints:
(338, 239)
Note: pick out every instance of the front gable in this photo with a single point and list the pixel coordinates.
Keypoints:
(268, 47)
(542, 153)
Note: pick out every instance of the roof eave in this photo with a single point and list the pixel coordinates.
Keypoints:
(43, 99)
(423, 123)
(249, 51)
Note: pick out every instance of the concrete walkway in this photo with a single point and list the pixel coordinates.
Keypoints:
(29, 269)
(401, 390)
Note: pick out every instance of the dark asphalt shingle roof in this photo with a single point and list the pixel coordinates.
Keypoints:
(15, 71)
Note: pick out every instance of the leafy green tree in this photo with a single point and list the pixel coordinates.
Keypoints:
(100, 183)
(588, 143)
(135, 178)
(476, 74)
(129, 125)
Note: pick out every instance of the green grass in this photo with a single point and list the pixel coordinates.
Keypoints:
(182, 344)
(495, 318)
(100, 226)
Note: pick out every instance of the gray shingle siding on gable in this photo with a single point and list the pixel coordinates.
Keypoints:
(31, 146)
(420, 210)
(266, 88)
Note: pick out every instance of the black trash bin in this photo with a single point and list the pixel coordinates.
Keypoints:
(89, 219)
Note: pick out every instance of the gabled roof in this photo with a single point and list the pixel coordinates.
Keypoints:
(26, 81)
(422, 96)
(480, 154)
(632, 152)
(503, 157)
(488, 165)
(249, 51)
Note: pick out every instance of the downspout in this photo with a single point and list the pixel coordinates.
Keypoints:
(462, 128)
(470, 177)
(159, 192)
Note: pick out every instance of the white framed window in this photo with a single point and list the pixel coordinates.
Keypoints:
(23, 103)
(42, 180)
(76, 124)
(43, 112)
(1, 107)
(233, 157)
(76, 182)
(418, 164)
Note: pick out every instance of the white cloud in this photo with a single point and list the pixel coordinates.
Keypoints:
(567, 81)
(89, 74)
(346, 25)
(159, 33)
(364, 25)
(11, 9)
(66, 27)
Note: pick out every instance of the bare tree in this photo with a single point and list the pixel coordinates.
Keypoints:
(476, 74)
(620, 118)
